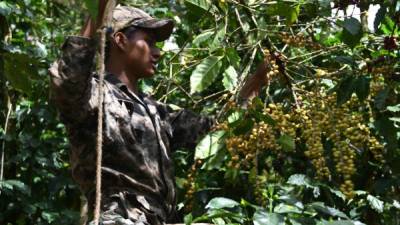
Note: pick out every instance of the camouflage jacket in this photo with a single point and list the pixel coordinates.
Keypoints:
(139, 133)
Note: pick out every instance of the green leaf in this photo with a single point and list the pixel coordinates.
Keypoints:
(243, 126)
(205, 73)
(387, 129)
(50, 216)
(361, 85)
(209, 145)
(287, 142)
(302, 221)
(5, 8)
(380, 98)
(265, 218)
(338, 193)
(233, 57)
(188, 219)
(394, 108)
(284, 208)
(92, 6)
(218, 221)
(380, 15)
(291, 200)
(299, 180)
(216, 161)
(218, 39)
(375, 203)
(395, 119)
(352, 32)
(345, 89)
(387, 25)
(15, 185)
(352, 25)
(235, 116)
(284, 9)
(340, 222)
(205, 36)
(18, 69)
(204, 5)
(230, 79)
(292, 14)
(222, 213)
(349, 39)
(220, 202)
(321, 207)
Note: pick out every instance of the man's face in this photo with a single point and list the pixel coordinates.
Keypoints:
(142, 54)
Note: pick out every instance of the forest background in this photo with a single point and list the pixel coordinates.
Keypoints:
(320, 145)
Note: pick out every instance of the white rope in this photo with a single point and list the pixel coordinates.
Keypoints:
(99, 139)
(101, 71)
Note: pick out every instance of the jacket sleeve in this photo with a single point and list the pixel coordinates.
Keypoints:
(187, 127)
(71, 83)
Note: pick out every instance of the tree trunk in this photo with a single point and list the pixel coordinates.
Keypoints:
(364, 6)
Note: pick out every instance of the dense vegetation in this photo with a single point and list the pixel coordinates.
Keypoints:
(319, 146)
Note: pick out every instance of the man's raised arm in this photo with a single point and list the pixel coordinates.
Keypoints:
(91, 26)
(72, 87)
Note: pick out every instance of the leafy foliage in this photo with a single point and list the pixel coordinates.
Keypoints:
(329, 115)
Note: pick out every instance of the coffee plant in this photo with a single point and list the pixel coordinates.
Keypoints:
(319, 145)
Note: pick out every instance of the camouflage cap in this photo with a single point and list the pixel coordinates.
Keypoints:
(125, 16)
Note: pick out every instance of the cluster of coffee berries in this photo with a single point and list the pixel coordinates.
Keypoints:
(293, 40)
(243, 149)
(231, 104)
(384, 69)
(273, 66)
(356, 132)
(236, 146)
(298, 40)
(382, 65)
(377, 149)
(344, 156)
(262, 137)
(313, 120)
(348, 134)
(285, 123)
(259, 189)
(377, 84)
(221, 126)
(190, 185)
(320, 73)
(316, 123)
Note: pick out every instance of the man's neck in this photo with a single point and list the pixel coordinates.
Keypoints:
(129, 80)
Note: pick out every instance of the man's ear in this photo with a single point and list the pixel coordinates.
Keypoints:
(121, 41)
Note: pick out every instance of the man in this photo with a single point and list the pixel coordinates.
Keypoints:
(139, 132)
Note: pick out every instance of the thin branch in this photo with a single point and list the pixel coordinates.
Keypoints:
(184, 91)
(210, 96)
(9, 109)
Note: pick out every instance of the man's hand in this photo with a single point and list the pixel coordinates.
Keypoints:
(258, 80)
(91, 25)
